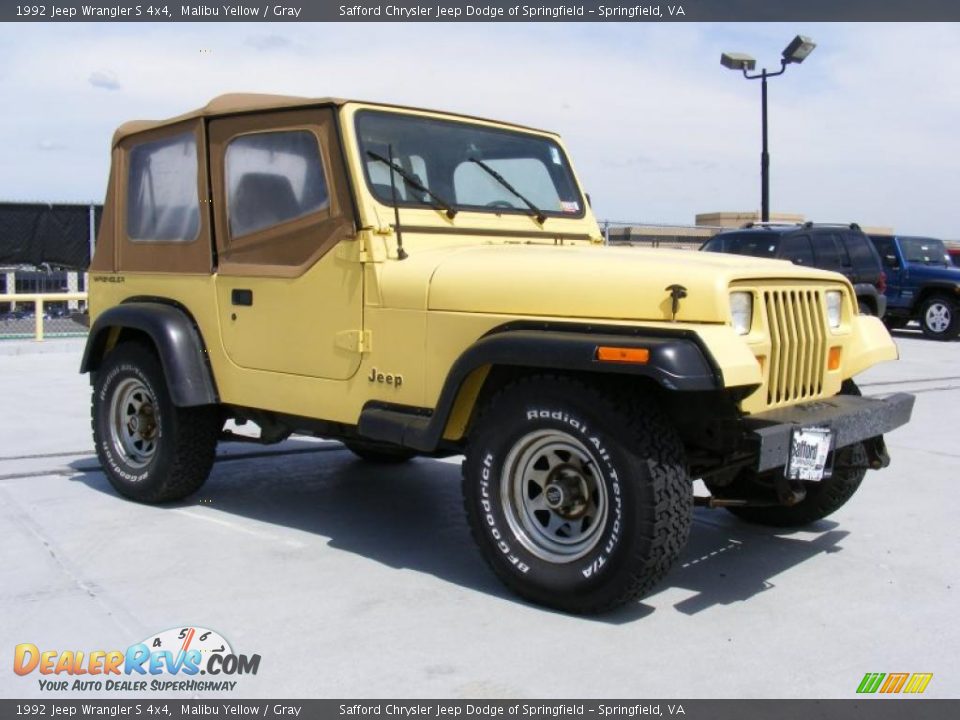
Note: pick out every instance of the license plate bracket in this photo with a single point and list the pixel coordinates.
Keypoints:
(809, 452)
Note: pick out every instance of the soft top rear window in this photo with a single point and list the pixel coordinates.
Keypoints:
(163, 203)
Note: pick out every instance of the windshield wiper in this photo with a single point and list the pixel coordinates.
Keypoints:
(538, 213)
(413, 182)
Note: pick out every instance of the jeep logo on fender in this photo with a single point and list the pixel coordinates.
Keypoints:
(386, 378)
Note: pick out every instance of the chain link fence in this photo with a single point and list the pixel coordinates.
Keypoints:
(48, 315)
(644, 234)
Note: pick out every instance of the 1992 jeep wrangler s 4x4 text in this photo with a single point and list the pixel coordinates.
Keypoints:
(413, 282)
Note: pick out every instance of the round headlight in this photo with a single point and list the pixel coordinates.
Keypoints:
(834, 302)
(741, 311)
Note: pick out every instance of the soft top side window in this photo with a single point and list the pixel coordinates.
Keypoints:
(162, 200)
(273, 177)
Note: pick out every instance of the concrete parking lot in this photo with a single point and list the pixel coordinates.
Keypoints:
(353, 580)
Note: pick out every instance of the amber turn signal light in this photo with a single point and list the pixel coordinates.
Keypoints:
(833, 359)
(623, 355)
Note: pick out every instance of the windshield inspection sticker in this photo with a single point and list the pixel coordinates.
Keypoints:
(555, 156)
(808, 454)
(570, 207)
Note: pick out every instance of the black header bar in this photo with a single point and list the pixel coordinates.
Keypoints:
(399, 11)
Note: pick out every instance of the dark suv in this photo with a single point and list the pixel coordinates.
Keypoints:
(923, 284)
(841, 248)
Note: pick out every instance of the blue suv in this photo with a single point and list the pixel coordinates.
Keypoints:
(923, 284)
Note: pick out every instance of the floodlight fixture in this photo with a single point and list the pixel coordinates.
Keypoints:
(738, 61)
(798, 49)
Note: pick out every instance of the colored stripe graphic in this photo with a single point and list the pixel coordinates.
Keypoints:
(918, 683)
(894, 683)
(870, 682)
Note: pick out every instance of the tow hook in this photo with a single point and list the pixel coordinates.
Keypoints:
(877, 456)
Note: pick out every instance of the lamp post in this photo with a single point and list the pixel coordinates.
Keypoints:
(795, 52)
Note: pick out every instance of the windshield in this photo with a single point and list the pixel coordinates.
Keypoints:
(755, 243)
(925, 251)
(453, 160)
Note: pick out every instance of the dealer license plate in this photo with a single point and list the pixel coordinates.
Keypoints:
(809, 449)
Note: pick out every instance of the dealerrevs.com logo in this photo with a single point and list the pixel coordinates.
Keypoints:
(169, 661)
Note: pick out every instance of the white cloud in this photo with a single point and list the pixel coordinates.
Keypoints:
(104, 79)
(657, 128)
(268, 42)
(50, 146)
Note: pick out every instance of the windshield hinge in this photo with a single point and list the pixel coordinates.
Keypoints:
(358, 341)
(353, 251)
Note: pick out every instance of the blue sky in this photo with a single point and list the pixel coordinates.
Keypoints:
(657, 129)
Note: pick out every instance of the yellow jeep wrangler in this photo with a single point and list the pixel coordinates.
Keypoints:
(413, 282)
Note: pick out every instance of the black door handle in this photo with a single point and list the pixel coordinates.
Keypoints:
(241, 297)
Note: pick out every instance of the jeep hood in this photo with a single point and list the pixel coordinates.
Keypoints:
(577, 281)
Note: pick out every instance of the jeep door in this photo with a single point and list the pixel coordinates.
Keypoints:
(282, 205)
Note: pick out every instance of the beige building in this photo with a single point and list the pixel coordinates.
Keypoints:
(705, 226)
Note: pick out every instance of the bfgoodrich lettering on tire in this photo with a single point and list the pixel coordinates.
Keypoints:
(149, 449)
(578, 500)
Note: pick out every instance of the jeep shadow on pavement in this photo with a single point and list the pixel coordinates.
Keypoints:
(381, 516)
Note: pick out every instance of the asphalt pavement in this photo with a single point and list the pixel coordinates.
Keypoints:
(354, 580)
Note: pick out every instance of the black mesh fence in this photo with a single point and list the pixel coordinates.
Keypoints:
(41, 234)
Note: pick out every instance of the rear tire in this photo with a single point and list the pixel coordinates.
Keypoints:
(578, 500)
(150, 450)
(939, 318)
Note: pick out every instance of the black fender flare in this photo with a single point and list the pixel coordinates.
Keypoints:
(182, 353)
(936, 287)
(675, 362)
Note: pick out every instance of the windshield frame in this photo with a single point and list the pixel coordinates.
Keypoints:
(551, 214)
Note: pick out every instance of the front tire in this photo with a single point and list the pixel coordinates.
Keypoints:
(150, 450)
(939, 318)
(822, 499)
(577, 500)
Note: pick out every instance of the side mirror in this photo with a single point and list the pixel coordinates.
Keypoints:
(891, 261)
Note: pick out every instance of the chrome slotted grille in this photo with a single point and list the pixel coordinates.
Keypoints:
(798, 345)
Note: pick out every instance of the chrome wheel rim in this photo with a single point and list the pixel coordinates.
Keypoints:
(134, 426)
(938, 317)
(553, 496)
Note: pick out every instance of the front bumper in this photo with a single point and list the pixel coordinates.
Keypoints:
(851, 418)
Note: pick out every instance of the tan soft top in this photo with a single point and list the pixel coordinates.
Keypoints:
(233, 103)
(225, 105)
